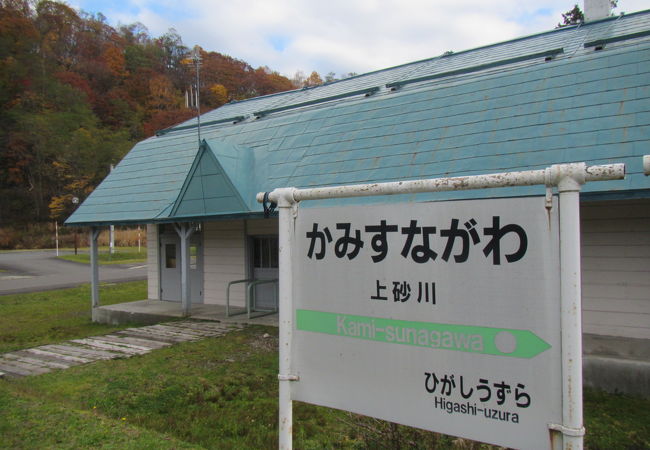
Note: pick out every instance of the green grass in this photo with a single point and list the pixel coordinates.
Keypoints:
(616, 421)
(31, 423)
(222, 393)
(28, 320)
(215, 393)
(121, 255)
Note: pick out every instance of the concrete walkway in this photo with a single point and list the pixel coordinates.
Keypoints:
(154, 311)
(121, 344)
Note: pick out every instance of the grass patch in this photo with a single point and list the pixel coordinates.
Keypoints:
(216, 393)
(121, 255)
(29, 423)
(222, 393)
(28, 320)
(616, 421)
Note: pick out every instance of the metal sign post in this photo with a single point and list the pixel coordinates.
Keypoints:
(571, 178)
(358, 348)
(287, 209)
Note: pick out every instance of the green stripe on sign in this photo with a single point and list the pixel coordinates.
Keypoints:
(464, 338)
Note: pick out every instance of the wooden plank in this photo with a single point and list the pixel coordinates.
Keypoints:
(80, 352)
(181, 337)
(11, 372)
(33, 359)
(73, 360)
(206, 326)
(106, 346)
(147, 343)
(190, 331)
(18, 362)
(121, 343)
(124, 343)
(177, 326)
(174, 331)
(150, 336)
(23, 369)
(156, 335)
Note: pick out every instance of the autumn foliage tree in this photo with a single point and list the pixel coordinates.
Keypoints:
(77, 93)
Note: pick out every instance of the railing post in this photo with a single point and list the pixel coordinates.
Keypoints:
(94, 267)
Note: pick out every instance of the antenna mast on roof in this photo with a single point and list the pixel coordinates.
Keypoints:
(196, 58)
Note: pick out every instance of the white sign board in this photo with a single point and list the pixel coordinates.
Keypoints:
(443, 316)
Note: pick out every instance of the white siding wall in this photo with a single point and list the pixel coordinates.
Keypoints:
(262, 227)
(224, 250)
(616, 268)
(153, 259)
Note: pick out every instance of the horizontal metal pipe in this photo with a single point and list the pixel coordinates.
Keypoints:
(550, 176)
(605, 172)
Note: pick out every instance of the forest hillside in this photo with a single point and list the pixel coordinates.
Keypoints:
(76, 94)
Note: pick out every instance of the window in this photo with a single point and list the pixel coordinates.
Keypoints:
(170, 256)
(265, 252)
(194, 250)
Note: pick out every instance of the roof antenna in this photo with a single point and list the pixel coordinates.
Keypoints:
(196, 58)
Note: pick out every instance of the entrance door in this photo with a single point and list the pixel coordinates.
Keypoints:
(265, 267)
(170, 267)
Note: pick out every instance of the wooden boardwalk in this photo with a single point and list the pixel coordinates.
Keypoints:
(121, 344)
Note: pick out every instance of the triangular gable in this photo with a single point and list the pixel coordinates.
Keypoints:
(237, 163)
(208, 188)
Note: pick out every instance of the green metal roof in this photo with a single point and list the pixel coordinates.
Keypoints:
(518, 105)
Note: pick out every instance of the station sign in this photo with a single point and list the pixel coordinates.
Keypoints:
(443, 315)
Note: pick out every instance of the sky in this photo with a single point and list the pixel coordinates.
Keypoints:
(339, 36)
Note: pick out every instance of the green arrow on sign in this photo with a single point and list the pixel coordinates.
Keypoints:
(464, 338)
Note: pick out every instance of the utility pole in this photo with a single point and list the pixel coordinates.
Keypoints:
(196, 58)
(111, 240)
(75, 201)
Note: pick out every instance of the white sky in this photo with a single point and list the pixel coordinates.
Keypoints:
(339, 36)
